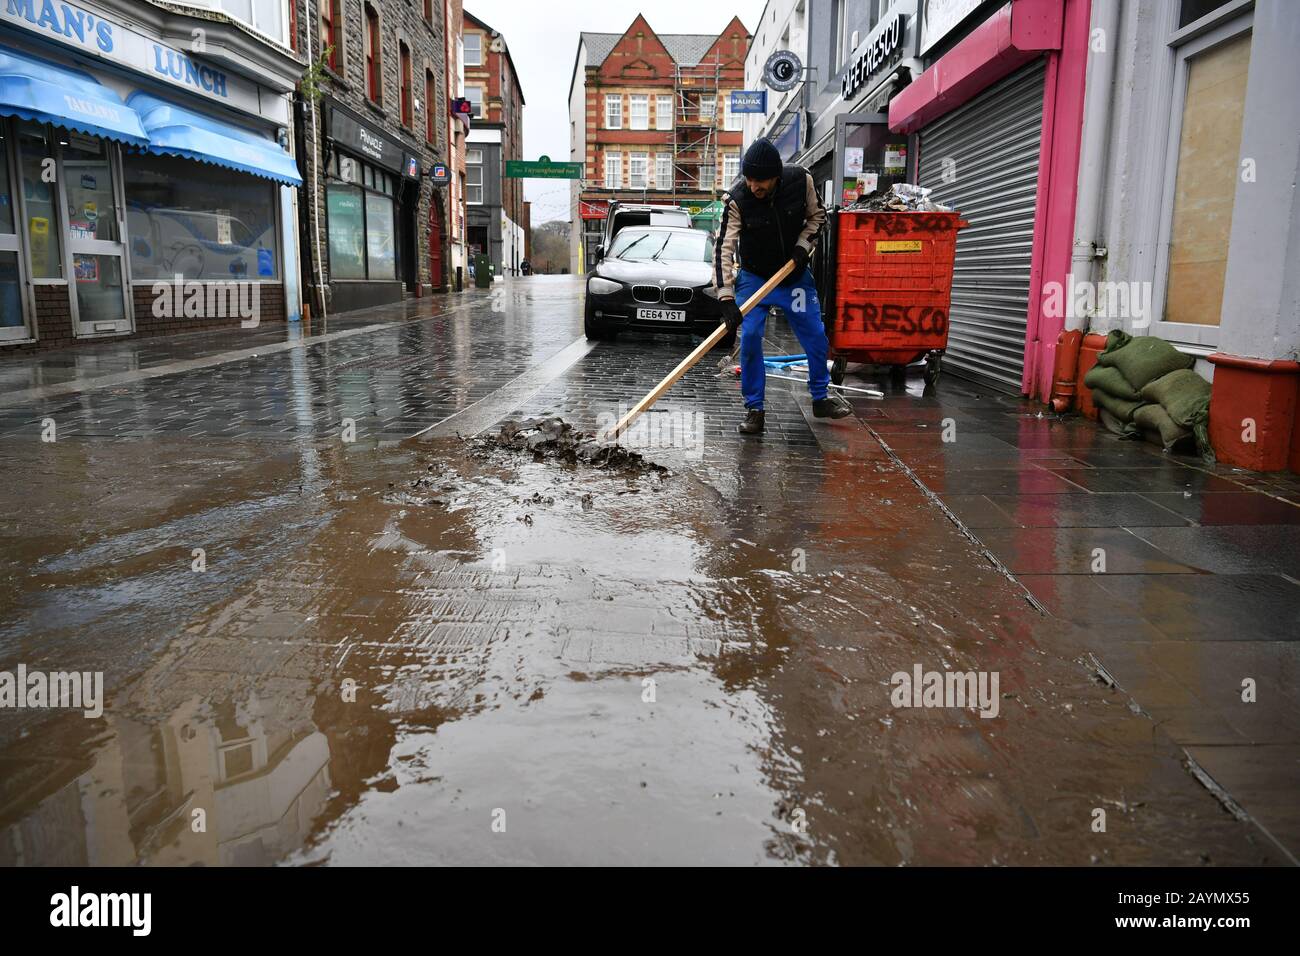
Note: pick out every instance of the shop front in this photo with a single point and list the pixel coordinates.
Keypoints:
(372, 193)
(141, 188)
(996, 119)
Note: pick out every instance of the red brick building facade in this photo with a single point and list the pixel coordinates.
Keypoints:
(650, 119)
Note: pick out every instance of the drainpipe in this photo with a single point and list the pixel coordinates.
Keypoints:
(1086, 253)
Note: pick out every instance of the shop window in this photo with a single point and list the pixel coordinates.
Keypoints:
(404, 63)
(40, 197)
(663, 112)
(381, 242)
(331, 32)
(374, 58)
(1211, 74)
(198, 221)
(347, 230)
(473, 49)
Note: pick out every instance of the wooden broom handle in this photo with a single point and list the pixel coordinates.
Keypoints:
(700, 350)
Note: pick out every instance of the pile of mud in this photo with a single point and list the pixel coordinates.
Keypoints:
(554, 439)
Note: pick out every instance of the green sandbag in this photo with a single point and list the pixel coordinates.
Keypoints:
(1121, 408)
(1116, 339)
(1183, 393)
(1145, 359)
(1111, 381)
(1113, 424)
(1153, 418)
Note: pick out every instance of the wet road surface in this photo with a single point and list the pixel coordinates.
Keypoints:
(413, 647)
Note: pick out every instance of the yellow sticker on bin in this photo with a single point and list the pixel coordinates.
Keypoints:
(898, 245)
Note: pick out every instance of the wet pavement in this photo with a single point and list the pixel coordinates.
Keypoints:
(406, 645)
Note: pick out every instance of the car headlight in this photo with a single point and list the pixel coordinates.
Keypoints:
(603, 286)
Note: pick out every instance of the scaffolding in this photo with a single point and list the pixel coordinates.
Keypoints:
(695, 128)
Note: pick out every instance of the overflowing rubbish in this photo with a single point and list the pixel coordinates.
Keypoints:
(551, 438)
(900, 197)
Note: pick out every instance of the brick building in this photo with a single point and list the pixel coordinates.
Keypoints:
(457, 129)
(650, 117)
(496, 214)
(150, 147)
(374, 228)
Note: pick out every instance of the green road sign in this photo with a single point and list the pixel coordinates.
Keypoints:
(542, 169)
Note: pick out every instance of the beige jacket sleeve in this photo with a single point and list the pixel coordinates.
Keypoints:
(815, 217)
(724, 250)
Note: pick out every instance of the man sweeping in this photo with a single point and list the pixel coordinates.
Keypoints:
(773, 217)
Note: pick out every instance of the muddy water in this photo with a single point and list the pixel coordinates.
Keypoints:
(439, 653)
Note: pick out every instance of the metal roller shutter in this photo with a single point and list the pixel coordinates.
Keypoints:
(994, 142)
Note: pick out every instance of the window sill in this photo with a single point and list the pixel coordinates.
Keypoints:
(337, 79)
(376, 108)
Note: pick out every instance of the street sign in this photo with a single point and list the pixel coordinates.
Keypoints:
(543, 168)
(749, 101)
(439, 175)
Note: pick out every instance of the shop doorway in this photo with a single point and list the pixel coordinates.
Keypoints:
(101, 297)
(14, 304)
(437, 240)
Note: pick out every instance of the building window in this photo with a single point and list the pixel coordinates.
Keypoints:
(198, 221)
(428, 11)
(473, 49)
(374, 60)
(474, 177)
(613, 170)
(708, 108)
(331, 32)
(35, 147)
(707, 175)
(638, 111)
(430, 114)
(613, 111)
(663, 112)
(734, 122)
(475, 96)
(638, 170)
(404, 61)
(1211, 85)
(730, 169)
(664, 171)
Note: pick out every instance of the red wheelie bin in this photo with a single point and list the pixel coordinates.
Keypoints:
(892, 278)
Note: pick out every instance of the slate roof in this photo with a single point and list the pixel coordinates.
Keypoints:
(686, 48)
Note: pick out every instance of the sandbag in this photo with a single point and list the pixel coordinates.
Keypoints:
(1153, 418)
(1145, 359)
(1121, 408)
(1111, 381)
(1113, 424)
(1184, 395)
(1116, 339)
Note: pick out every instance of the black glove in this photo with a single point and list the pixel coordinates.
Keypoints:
(731, 316)
(800, 258)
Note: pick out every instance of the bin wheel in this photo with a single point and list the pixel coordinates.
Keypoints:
(933, 368)
(898, 375)
(838, 368)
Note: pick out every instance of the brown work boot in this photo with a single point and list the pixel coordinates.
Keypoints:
(753, 423)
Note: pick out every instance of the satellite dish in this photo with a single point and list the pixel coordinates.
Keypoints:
(782, 71)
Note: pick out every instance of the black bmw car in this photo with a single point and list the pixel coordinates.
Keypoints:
(655, 279)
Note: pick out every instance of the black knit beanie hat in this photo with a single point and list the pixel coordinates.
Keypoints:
(762, 160)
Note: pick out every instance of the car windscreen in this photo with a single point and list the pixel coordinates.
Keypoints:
(644, 245)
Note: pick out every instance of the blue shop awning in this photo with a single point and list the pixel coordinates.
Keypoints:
(33, 89)
(176, 131)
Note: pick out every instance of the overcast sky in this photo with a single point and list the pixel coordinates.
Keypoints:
(543, 40)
